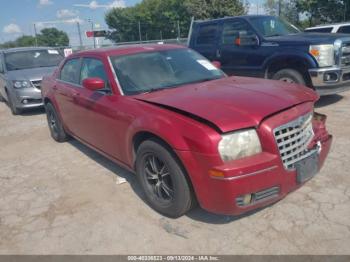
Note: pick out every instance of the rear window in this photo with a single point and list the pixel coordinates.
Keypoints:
(320, 30)
(207, 34)
(344, 29)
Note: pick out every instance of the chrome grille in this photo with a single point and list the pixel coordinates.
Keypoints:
(345, 58)
(293, 138)
(36, 83)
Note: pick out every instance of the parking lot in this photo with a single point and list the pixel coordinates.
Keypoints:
(66, 199)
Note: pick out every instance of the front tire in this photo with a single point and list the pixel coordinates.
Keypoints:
(289, 76)
(55, 125)
(14, 110)
(163, 180)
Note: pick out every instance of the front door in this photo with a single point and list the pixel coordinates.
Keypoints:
(96, 110)
(238, 59)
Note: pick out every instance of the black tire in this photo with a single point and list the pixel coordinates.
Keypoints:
(289, 76)
(173, 196)
(14, 110)
(1, 98)
(55, 125)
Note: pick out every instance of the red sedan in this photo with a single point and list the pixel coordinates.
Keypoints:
(189, 132)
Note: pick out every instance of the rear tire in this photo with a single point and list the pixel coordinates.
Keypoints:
(289, 76)
(163, 180)
(2, 99)
(55, 125)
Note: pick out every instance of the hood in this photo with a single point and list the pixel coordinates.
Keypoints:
(307, 38)
(30, 74)
(231, 103)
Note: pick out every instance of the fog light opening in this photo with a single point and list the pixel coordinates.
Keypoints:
(247, 199)
(24, 101)
(330, 77)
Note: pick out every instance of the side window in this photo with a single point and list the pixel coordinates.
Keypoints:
(233, 29)
(92, 67)
(70, 71)
(344, 29)
(320, 30)
(207, 34)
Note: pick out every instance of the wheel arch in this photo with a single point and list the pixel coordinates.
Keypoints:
(300, 63)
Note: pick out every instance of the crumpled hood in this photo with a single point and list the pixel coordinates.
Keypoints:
(30, 74)
(232, 103)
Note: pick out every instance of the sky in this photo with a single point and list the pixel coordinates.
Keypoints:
(17, 17)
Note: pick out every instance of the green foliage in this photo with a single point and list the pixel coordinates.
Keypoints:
(47, 37)
(204, 9)
(324, 11)
(53, 37)
(161, 18)
(288, 10)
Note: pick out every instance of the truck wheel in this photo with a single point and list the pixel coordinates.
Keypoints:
(163, 180)
(55, 125)
(289, 76)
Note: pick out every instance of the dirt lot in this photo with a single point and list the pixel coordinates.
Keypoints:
(64, 199)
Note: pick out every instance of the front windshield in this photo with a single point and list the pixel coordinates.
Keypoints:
(32, 59)
(273, 26)
(153, 71)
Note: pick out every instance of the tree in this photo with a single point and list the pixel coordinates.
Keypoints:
(157, 19)
(206, 9)
(52, 37)
(25, 40)
(289, 10)
(323, 11)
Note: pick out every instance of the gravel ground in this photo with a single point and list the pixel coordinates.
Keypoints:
(65, 199)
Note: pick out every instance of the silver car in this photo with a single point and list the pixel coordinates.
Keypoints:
(21, 73)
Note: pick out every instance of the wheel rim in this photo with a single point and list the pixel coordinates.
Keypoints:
(158, 179)
(52, 121)
(287, 80)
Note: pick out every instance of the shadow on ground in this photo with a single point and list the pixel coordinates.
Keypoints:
(197, 213)
(328, 100)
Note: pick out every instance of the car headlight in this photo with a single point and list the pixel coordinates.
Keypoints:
(324, 54)
(21, 84)
(239, 144)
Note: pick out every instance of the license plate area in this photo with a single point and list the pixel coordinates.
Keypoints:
(307, 168)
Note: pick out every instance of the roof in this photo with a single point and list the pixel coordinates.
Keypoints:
(128, 49)
(228, 17)
(19, 49)
(329, 25)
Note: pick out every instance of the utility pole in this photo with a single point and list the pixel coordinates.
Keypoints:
(140, 31)
(92, 29)
(79, 33)
(279, 7)
(178, 30)
(36, 35)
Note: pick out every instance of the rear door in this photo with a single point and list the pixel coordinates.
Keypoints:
(205, 40)
(66, 89)
(240, 60)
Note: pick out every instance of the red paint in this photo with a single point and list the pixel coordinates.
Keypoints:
(108, 123)
(93, 83)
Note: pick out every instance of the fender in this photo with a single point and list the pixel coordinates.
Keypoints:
(289, 53)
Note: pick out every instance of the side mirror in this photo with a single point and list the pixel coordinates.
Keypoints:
(93, 83)
(247, 40)
(217, 64)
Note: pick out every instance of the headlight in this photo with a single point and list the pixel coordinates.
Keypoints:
(21, 84)
(324, 54)
(239, 144)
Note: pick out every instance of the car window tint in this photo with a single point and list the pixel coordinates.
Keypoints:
(344, 29)
(232, 30)
(320, 30)
(70, 71)
(93, 68)
(207, 34)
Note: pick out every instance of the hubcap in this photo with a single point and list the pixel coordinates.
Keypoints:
(158, 178)
(52, 121)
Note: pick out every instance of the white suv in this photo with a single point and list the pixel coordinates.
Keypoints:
(343, 28)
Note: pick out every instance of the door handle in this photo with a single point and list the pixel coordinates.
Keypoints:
(76, 94)
(54, 88)
(218, 53)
